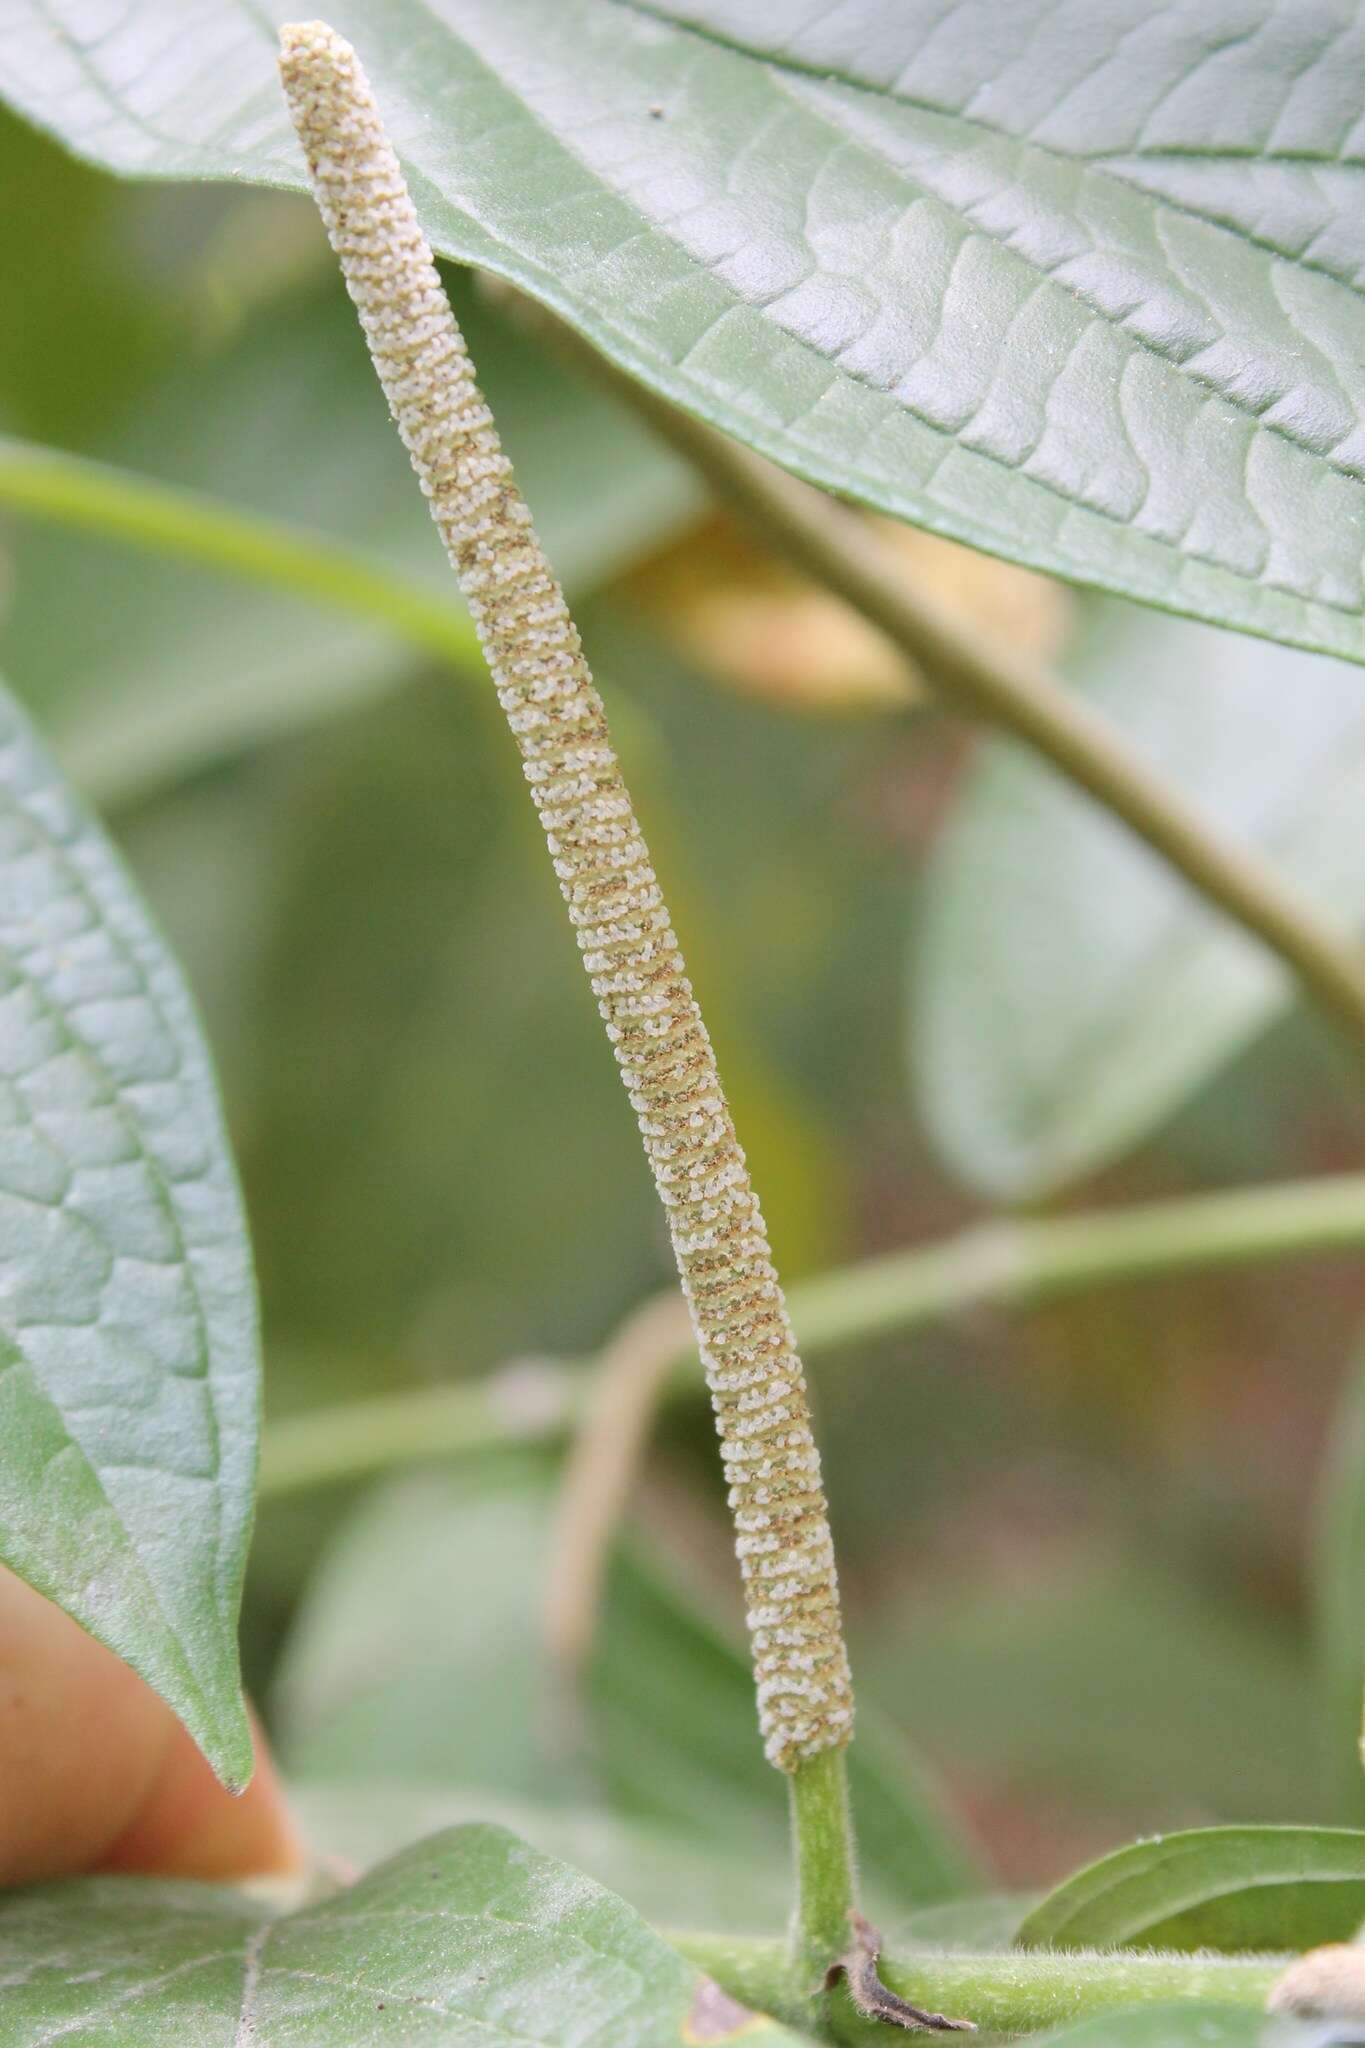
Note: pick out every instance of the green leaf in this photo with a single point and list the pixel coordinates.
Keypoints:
(1338, 1586)
(469, 1938)
(1070, 992)
(286, 420)
(1088, 299)
(407, 1659)
(1227, 1889)
(128, 1346)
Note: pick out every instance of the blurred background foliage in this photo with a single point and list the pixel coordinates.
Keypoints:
(1075, 1540)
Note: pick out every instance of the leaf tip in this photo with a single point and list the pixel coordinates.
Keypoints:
(224, 1736)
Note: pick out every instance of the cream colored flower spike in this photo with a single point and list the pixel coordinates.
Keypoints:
(757, 1386)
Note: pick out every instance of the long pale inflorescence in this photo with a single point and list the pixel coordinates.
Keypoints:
(608, 882)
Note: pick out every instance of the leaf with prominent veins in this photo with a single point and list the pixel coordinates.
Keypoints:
(1078, 283)
(471, 1939)
(128, 1344)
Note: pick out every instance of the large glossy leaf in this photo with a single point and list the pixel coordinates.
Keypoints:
(128, 1352)
(463, 1941)
(1075, 283)
(1069, 992)
(417, 1653)
(1227, 1889)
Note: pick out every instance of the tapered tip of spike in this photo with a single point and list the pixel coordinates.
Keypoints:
(306, 43)
(326, 91)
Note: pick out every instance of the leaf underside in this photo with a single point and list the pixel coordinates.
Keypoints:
(1068, 991)
(128, 1342)
(1077, 284)
(468, 1938)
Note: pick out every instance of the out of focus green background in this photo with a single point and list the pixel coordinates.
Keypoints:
(1076, 1542)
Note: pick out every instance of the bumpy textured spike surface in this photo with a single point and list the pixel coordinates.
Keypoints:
(604, 870)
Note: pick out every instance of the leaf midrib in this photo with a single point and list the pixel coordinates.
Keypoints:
(1095, 159)
(897, 92)
(185, 1668)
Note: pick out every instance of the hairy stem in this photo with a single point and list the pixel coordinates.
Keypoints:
(1004, 1265)
(519, 1404)
(986, 679)
(1020, 1262)
(739, 1317)
(1007, 1992)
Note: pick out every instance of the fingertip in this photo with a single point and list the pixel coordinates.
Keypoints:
(191, 1825)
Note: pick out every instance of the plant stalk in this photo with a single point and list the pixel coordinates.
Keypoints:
(1012, 1264)
(49, 483)
(826, 1885)
(531, 1403)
